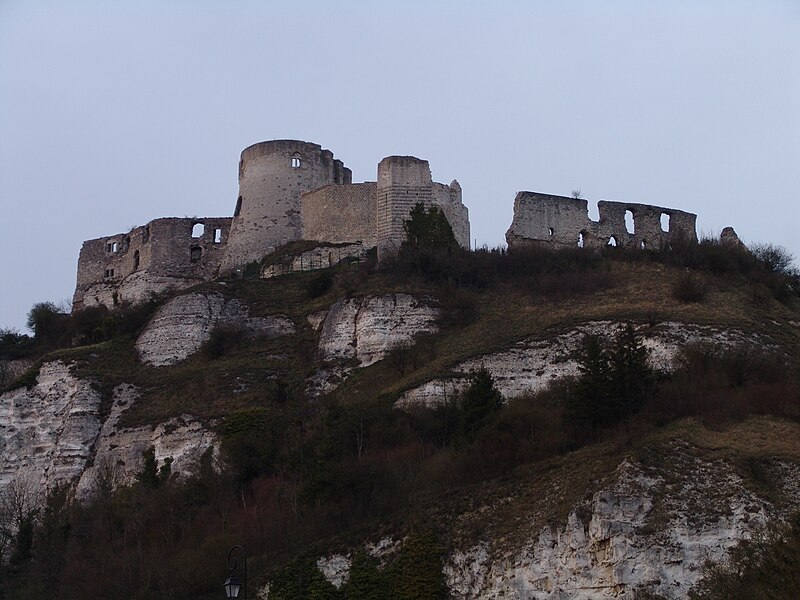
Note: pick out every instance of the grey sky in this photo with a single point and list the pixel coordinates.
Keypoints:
(115, 113)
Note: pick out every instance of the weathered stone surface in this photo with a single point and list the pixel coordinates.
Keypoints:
(367, 328)
(621, 548)
(185, 323)
(729, 238)
(321, 257)
(118, 451)
(651, 528)
(151, 259)
(53, 434)
(531, 365)
(558, 221)
(47, 432)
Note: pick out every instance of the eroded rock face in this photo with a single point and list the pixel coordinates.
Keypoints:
(47, 432)
(54, 434)
(637, 537)
(652, 528)
(185, 323)
(530, 366)
(367, 328)
(119, 451)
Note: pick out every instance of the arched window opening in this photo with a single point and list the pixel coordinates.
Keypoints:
(217, 235)
(135, 260)
(643, 245)
(238, 206)
(295, 161)
(198, 229)
(550, 231)
(581, 240)
(665, 222)
(630, 226)
(195, 253)
(612, 241)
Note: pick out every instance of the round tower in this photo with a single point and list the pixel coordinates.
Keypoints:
(272, 176)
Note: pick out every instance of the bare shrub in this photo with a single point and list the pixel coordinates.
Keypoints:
(689, 288)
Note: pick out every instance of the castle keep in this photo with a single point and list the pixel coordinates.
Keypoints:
(288, 190)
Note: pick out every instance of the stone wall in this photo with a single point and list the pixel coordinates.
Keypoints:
(404, 181)
(149, 259)
(448, 198)
(272, 177)
(559, 221)
(340, 213)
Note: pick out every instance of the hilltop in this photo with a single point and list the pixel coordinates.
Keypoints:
(415, 425)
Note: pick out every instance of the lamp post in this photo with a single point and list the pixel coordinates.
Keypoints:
(232, 584)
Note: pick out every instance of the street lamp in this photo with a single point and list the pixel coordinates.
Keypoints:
(232, 584)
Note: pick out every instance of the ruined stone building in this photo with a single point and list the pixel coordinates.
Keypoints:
(291, 190)
(559, 221)
(288, 190)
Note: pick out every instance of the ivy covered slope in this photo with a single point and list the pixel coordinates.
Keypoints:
(447, 424)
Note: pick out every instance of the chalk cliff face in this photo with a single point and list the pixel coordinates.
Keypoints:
(641, 533)
(650, 528)
(54, 434)
(47, 433)
(367, 328)
(531, 365)
(185, 323)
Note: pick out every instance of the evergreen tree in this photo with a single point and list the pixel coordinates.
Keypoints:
(613, 383)
(417, 573)
(366, 581)
(428, 229)
(479, 401)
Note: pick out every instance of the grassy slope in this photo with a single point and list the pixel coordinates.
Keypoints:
(504, 314)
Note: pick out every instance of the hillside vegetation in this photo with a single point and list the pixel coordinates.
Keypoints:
(300, 477)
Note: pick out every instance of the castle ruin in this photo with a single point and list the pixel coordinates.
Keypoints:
(288, 190)
(292, 190)
(559, 222)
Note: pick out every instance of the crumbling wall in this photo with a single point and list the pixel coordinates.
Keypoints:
(272, 177)
(149, 259)
(404, 181)
(558, 221)
(340, 213)
(448, 198)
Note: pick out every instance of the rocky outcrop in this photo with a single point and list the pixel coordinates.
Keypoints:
(650, 529)
(137, 287)
(54, 434)
(185, 323)
(323, 256)
(365, 329)
(48, 432)
(531, 365)
(181, 441)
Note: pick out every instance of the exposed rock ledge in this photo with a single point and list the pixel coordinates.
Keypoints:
(185, 323)
(48, 432)
(118, 451)
(367, 328)
(531, 365)
(53, 434)
(651, 528)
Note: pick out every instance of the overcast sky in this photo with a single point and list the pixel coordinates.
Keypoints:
(115, 113)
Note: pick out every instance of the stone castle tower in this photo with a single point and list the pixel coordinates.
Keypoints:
(272, 177)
